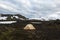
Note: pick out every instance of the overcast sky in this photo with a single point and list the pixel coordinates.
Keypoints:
(47, 9)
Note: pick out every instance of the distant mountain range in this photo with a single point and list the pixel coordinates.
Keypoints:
(12, 16)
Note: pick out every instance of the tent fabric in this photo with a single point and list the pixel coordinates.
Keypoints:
(29, 27)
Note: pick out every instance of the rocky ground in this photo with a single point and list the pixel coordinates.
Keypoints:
(44, 31)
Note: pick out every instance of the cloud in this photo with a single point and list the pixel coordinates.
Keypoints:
(46, 9)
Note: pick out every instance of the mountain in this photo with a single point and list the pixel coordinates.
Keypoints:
(13, 16)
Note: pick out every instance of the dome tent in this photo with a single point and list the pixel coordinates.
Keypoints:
(29, 27)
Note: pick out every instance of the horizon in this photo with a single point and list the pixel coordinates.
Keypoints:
(41, 18)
